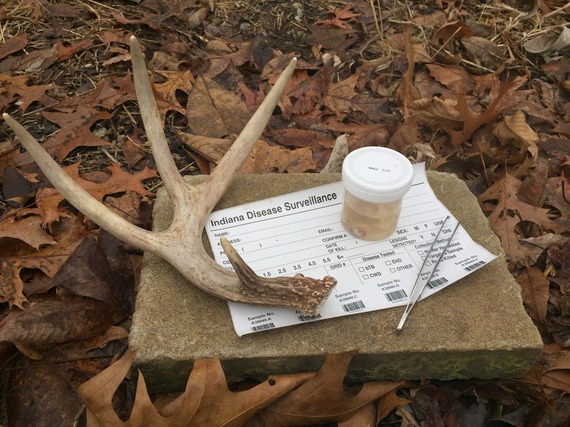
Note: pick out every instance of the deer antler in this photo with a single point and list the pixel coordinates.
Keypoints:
(181, 244)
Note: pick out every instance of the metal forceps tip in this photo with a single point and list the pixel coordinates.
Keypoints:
(416, 293)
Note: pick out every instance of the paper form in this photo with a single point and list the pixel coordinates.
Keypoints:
(301, 232)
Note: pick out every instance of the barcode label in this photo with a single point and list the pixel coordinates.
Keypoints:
(436, 283)
(263, 327)
(396, 295)
(353, 306)
(308, 318)
(475, 266)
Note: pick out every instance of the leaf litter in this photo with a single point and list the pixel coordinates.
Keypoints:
(485, 98)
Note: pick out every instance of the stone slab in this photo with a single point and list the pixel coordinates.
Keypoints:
(476, 328)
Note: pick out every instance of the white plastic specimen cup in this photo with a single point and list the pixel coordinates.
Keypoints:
(375, 180)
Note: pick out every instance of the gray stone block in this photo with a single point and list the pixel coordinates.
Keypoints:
(475, 328)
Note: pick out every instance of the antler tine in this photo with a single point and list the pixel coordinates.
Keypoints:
(80, 198)
(171, 178)
(242, 146)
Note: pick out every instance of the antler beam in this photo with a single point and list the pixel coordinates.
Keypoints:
(181, 244)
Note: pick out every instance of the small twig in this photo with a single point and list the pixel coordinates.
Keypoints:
(560, 9)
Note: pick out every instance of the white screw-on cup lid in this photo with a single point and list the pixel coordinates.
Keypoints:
(377, 174)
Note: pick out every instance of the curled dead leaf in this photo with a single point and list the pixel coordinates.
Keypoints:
(514, 129)
(548, 42)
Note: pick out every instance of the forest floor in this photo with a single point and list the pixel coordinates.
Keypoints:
(480, 89)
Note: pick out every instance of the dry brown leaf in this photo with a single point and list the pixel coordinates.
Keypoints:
(120, 181)
(556, 195)
(76, 123)
(207, 401)
(215, 112)
(307, 93)
(322, 398)
(535, 290)
(222, 54)
(552, 369)
(342, 17)
(537, 245)
(132, 148)
(39, 392)
(388, 403)
(16, 85)
(458, 120)
(12, 286)
(212, 149)
(340, 97)
(484, 52)
(408, 93)
(436, 113)
(252, 99)
(508, 211)
(515, 130)
(452, 30)
(365, 417)
(50, 322)
(107, 94)
(548, 42)
(14, 44)
(88, 273)
(455, 78)
(175, 81)
(48, 259)
(263, 158)
(291, 137)
(532, 188)
(28, 229)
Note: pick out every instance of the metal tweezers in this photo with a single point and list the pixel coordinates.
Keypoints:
(417, 291)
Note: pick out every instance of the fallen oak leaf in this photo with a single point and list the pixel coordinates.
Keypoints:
(28, 230)
(97, 393)
(65, 52)
(264, 158)
(365, 417)
(51, 322)
(221, 407)
(214, 111)
(48, 259)
(206, 401)
(458, 120)
(175, 81)
(389, 403)
(12, 289)
(75, 123)
(16, 85)
(322, 398)
(16, 43)
(514, 129)
(484, 52)
(40, 390)
(120, 181)
(341, 17)
(535, 291)
(507, 212)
